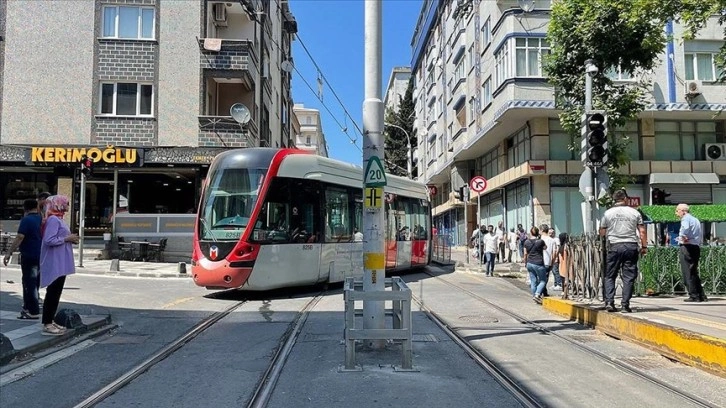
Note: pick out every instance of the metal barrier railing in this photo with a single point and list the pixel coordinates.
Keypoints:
(441, 250)
(400, 296)
(584, 274)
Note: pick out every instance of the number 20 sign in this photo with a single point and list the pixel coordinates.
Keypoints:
(375, 175)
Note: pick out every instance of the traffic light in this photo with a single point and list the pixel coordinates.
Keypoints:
(461, 193)
(659, 196)
(595, 145)
(86, 166)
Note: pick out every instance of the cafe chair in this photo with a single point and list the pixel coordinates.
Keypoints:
(156, 251)
(126, 248)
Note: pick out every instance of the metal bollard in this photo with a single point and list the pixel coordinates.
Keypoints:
(182, 268)
(115, 265)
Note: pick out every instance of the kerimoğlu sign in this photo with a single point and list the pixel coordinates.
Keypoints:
(108, 155)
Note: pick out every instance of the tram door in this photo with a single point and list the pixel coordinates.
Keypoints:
(336, 259)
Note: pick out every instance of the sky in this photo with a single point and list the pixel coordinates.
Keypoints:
(332, 30)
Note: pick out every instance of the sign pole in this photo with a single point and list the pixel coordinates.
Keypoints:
(374, 178)
(82, 220)
(466, 221)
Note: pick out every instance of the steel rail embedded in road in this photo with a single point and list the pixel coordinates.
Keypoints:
(264, 389)
(619, 364)
(511, 385)
(165, 352)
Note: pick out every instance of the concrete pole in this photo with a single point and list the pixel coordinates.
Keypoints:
(588, 208)
(82, 220)
(374, 260)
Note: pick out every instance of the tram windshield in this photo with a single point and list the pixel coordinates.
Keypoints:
(228, 202)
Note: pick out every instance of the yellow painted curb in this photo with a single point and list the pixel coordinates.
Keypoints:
(682, 345)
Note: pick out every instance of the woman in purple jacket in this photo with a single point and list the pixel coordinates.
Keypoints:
(56, 260)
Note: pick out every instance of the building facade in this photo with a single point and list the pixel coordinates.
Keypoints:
(310, 136)
(484, 108)
(144, 88)
(396, 89)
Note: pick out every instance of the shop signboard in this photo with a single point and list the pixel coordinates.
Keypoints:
(104, 156)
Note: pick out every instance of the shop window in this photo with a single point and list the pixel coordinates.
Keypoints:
(18, 187)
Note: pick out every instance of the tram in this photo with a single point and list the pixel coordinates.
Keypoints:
(273, 218)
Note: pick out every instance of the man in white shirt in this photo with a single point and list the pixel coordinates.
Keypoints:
(556, 261)
(491, 247)
(549, 252)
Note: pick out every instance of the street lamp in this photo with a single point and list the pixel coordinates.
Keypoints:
(408, 147)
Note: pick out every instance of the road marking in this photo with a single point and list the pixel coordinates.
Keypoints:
(39, 364)
(177, 302)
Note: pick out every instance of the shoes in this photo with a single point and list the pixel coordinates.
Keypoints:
(52, 330)
(626, 309)
(557, 287)
(690, 299)
(703, 298)
(25, 315)
(610, 307)
(537, 299)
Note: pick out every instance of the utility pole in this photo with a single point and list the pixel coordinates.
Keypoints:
(374, 178)
(82, 212)
(587, 178)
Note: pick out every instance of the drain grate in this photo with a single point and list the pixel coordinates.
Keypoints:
(424, 338)
(646, 363)
(479, 319)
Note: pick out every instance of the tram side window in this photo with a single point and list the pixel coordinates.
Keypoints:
(288, 214)
(391, 222)
(418, 213)
(338, 222)
(404, 220)
(358, 211)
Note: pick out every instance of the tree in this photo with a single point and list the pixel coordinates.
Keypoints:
(396, 142)
(625, 35)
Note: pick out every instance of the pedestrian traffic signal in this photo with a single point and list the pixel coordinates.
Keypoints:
(595, 132)
(659, 196)
(86, 166)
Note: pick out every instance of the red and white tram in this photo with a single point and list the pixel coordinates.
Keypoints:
(272, 218)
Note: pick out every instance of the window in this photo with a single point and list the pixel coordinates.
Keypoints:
(503, 64)
(459, 72)
(518, 148)
(338, 223)
(473, 58)
(699, 59)
(473, 103)
(486, 33)
(529, 53)
(308, 120)
(126, 99)
(488, 165)
(700, 66)
(307, 141)
(617, 74)
(286, 217)
(684, 140)
(487, 93)
(560, 143)
(128, 22)
(432, 150)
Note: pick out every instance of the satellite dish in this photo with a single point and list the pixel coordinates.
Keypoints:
(526, 5)
(286, 66)
(240, 113)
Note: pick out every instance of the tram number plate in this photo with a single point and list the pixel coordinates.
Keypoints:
(307, 247)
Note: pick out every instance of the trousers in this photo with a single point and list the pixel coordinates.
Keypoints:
(621, 258)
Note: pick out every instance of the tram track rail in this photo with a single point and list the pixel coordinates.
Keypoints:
(511, 385)
(126, 378)
(265, 388)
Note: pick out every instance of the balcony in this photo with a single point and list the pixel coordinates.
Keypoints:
(230, 59)
(223, 131)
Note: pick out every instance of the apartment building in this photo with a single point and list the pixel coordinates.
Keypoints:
(484, 108)
(310, 136)
(396, 88)
(144, 88)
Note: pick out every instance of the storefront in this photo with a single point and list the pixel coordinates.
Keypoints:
(124, 179)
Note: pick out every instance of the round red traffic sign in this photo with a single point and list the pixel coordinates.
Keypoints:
(478, 184)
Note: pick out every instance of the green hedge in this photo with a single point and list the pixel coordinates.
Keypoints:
(660, 270)
(667, 213)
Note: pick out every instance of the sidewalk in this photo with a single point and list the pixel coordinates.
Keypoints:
(692, 333)
(93, 266)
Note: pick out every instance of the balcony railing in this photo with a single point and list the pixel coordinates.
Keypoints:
(224, 54)
(223, 130)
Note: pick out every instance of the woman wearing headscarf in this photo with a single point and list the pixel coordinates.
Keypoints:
(56, 260)
(565, 263)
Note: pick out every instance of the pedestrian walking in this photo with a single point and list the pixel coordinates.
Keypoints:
(501, 241)
(490, 242)
(549, 254)
(534, 249)
(56, 260)
(512, 239)
(623, 227)
(565, 264)
(521, 239)
(689, 253)
(555, 261)
(28, 241)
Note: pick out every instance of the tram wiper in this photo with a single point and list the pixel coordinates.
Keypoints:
(209, 230)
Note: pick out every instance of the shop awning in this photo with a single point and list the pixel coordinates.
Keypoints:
(684, 178)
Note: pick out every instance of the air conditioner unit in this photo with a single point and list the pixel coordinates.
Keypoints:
(266, 69)
(693, 88)
(715, 151)
(220, 14)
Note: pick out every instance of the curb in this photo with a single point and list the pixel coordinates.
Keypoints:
(685, 346)
(104, 324)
